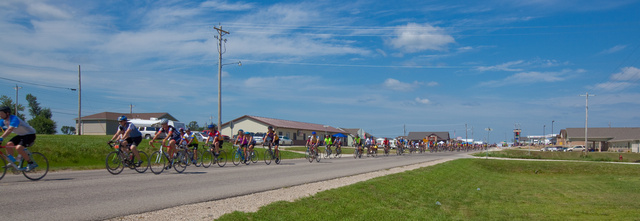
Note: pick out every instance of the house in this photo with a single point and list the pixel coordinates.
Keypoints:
(626, 139)
(418, 136)
(296, 131)
(106, 123)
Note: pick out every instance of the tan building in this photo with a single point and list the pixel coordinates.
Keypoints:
(106, 123)
(296, 131)
(624, 139)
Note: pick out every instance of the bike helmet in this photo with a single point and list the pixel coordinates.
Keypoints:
(5, 109)
(164, 121)
(247, 133)
(313, 133)
(122, 118)
(270, 127)
(211, 126)
(241, 130)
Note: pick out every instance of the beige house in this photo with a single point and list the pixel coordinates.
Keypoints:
(296, 131)
(106, 123)
(624, 139)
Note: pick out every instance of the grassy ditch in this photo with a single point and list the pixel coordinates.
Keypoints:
(591, 156)
(475, 189)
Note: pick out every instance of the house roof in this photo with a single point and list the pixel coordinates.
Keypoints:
(277, 123)
(420, 135)
(114, 116)
(615, 134)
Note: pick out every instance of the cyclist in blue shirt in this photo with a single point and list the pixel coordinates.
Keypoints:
(130, 135)
(25, 136)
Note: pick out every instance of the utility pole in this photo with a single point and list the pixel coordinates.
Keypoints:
(466, 137)
(131, 108)
(79, 124)
(220, 38)
(16, 104)
(586, 121)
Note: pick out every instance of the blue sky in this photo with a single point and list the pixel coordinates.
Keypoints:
(376, 65)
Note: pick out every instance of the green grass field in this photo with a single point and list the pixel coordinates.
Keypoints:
(591, 156)
(476, 189)
(89, 152)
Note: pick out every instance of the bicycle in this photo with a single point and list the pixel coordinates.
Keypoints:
(386, 150)
(270, 154)
(312, 153)
(159, 160)
(32, 174)
(357, 153)
(238, 156)
(208, 157)
(117, 160)
(338, 152)
(327, 152)
(192, 158)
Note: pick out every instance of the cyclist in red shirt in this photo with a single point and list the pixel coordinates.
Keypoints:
(216, 139)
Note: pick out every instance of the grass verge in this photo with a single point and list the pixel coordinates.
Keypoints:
(591, 156)
(475, 189)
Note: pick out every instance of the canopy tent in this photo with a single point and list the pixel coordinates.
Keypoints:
(339, 135)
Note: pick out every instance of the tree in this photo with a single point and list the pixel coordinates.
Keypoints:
(41, 120)
(68, 130)
(34, 106)
(7, 101)
(193, 126)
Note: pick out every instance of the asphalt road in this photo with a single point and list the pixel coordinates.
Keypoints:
(98, 195)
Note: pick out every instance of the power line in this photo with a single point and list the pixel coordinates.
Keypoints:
(41, 85)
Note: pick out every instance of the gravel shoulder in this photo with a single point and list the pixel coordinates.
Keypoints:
(251, 203)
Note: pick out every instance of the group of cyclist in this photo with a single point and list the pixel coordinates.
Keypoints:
(244, 140)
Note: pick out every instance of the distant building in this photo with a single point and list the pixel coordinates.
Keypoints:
(296, 131)
(625, 139)
(106, 123)
(418, 136)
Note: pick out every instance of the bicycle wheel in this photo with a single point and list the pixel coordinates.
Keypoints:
(237, 157)
(145, 162)
(206, 158)
(114, 163)
(196, 155)
(221, 159)
(40, 171)
(157, 162)
(3, 164)
(254, 156)
(355, 153)
(187, 157)
(309, 154)
(327, 153)
(180, 162)
(339, 152)
(277, 156)
(267, 156)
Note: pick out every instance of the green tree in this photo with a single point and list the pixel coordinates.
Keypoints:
(34, 106)
(68, 130)
(193, 125)
(7, 101)
(41, 120)
(43, 125)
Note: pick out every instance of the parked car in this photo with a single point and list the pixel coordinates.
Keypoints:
(258, 139)
(545, 149)
(285, 140)
(149, 132)
(576, 148)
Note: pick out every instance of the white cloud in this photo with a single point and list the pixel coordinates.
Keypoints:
(614, 86)
(226, 6)
(502, 67)
(614, 49)
(44, 11)
(627, 74)
(414, 37)
(396, 85)
(532, 77)
(422, 100)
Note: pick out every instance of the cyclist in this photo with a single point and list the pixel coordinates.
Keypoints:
(338, 143)
(356, 143)
(127, 134)
(25, 137)
(272, 137)
(385, 143)
(249, 143)
(328, 142)
(313, 142)
(367, 144)
(192, 141)
(216, 139)
(173, 137)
